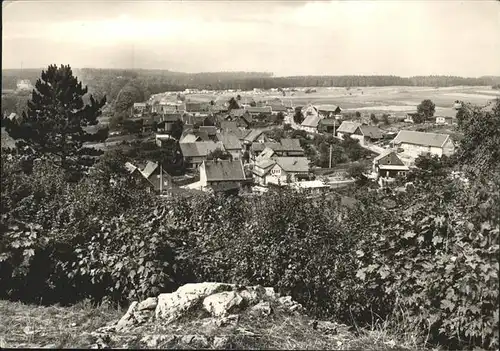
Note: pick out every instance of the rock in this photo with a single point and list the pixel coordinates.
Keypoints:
(270, 293)
(285, 300)
(148, 304)
(50, 346)
(153, 341)
(228, 320)
(195, 340)
(171, 306)
(221, 342)
(128, 319)
(262, 308)
(253, 294)
(223, 303)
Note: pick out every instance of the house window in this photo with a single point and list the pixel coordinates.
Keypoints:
(388, 162)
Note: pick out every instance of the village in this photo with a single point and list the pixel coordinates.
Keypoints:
(225, 147)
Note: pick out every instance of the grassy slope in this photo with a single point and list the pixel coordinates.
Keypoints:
(70, 327)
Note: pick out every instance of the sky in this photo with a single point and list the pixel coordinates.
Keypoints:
(340, 37)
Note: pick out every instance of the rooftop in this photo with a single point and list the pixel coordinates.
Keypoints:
(200, 148)
(348, 127)
(421, 138)
(223, 170)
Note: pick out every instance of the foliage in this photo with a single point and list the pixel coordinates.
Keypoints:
(436, 261)
(385, 119)
(219, 154)
(480, 147)
(280, 117)
(373, 118)
(298, 117)
(426, 109)
(357, 171)
(54, 123)
(233, 104)
(177, 129)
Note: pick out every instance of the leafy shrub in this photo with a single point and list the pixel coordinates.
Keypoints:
(438, 262)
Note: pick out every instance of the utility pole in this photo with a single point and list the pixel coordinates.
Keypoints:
(330, 156)
(161, 178)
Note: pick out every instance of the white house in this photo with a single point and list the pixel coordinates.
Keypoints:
(347, 128)
(281, 170)
(387, 166)
(414, 144)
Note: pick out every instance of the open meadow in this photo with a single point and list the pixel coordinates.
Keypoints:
(393, 99)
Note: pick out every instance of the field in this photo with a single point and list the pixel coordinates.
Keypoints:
(372, 99)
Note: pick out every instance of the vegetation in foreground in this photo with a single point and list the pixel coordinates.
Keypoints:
(423, 261)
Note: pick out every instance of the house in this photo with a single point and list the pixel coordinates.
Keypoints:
(153, 176)
(328, 125)
(222, 175)
(281, 170)
(242, 117)
(190, 138)
(388, 166)
(195, 153)
(329, 111)
(200, 107)
(259, 111)
(410, 117)
(139, 109)
(367, 134)
(255, 135)
(228, 126)
(418, 143)
(168, 120)
(211, 131)
(159, 179)
(309, 110)
(290, 147)
(311, 122)
(347, 128)
(265, 154)
(446, 116)
(277, 108)
(231, 143)
(162, 138)
(285, 148)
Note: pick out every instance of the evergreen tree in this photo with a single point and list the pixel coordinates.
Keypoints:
(233, 105)
(54, 124)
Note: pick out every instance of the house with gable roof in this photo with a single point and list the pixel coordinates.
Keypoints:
(195, 153)
(388, 166)
(347, 128)
(280, 170)
(222, 175)
(367, 134)
(414, 144)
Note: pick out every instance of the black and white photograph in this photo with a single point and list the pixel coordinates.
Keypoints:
(250, 175)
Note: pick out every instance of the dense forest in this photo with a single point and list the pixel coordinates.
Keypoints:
(110, 81)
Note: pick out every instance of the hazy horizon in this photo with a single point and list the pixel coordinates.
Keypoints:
(286, 38)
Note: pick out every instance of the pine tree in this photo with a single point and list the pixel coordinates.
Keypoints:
(54, 125)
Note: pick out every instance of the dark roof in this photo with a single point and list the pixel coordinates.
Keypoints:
(197, 106)
(200, 148)
(371, 132)
(329, 122)
(291, 145)
(210, 130)
(278, 107)
(328, 108)
(262, 109)
(224, 170)
(171, 117)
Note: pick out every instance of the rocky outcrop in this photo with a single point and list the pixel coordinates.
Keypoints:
(218, 305)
